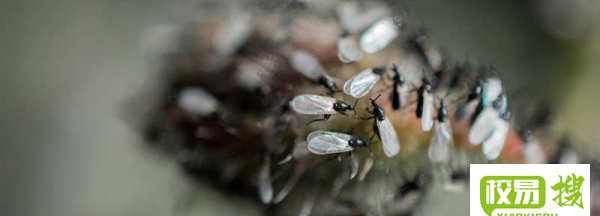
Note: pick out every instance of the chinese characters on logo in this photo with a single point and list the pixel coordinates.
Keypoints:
(512, 192)
(568, 191)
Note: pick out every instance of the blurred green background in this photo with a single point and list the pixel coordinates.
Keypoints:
(68, 68)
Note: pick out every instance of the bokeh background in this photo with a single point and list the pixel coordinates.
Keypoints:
(69, 67)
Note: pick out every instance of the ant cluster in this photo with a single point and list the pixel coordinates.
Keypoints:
(242, 96)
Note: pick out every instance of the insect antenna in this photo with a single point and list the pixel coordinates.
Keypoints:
(375, 99)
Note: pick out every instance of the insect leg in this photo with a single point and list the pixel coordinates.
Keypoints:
(325, 117)
(367, 118)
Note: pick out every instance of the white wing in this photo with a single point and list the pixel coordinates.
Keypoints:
(427, 116)
(236, 30)
(379, 35)
(354, 17)
(389, 138)
(354, 164)
(313, 104)
(265, 188)
(434, 57)
(361, 84)
(197, 101)
(439, 149)
(307, 64)
(348, 50)
(367, 165)
(492, 146)
(492, 88)
(404, 94)
(483, 126)
(324, 142)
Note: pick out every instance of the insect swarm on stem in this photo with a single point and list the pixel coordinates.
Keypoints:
(236, 110)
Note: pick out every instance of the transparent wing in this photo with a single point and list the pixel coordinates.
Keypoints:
(361, 84)
(483, 126)
(427, 117)
(313, 104)
(307, 64)
(439, 149)
(492, 146)
(379, 35)
(389, 138)
(324, 142)
(348, 50)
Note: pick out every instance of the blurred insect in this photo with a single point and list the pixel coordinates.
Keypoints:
(354, 165)
(533, 151)
(265, 188)
(366, 168)
(425, 106)
(491, 90)
(429, 53)
(299, 170)
(309, 66)
(488, 92)
(379, 35)
(356, 16)
(439, 149)
(399, 90)
(492, 146)
(469, 106)
(197, 101)
(348, 50)
(320, 105)
(566, 153)
(384, 130)
(490, 128)
(360, 85)
(326, 142)
(484, 123)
